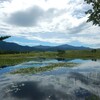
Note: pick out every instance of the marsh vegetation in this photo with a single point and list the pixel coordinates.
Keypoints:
(50, 67)
(13, 59)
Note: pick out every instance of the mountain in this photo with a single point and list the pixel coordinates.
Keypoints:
(8, 46)
(68, 47)
(42, 48)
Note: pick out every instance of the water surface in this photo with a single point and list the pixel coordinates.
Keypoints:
(80, 82)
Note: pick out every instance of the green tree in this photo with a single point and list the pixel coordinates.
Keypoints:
(61, 53)
(4, 37)
(94, 12)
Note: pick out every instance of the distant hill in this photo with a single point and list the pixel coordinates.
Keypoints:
(8, 46)
(42, 48)
(68, 47)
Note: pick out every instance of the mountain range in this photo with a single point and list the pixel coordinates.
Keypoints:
(9, 46)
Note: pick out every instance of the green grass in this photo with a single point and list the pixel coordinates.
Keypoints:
(83, 54)
(13, 59)
(34, 70)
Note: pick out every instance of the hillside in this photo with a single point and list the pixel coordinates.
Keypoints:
(8, 46)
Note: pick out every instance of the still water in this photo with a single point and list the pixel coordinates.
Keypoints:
(81, 82)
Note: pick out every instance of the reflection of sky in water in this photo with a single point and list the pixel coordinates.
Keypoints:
(79, 61)
(12, 68)
(89, 66)
(35, 63)
(71, 86)
(76, 83)
(40, 63)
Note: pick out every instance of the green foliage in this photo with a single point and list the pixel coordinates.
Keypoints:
(61, 53)
(94, 12)
(93, 50)
(4, 37)
(8, 52)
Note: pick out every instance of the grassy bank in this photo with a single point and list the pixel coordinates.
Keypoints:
(85, 54)
(34, 70)
(13, 59)
(82, 54)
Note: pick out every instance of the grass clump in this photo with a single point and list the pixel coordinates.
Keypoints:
(50, 67)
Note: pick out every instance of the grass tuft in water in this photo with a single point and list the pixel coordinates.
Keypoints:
(50, 67)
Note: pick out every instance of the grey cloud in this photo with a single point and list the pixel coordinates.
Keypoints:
(79, 28)
(33, 16)
(26, 18)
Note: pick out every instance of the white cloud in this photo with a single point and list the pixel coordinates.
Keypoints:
(59, 21)
(24, 43)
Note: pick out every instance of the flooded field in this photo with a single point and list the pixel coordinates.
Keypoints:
(80, 82)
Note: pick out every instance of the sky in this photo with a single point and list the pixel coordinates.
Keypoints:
(48, 22)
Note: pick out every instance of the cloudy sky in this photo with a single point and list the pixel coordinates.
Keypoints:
(48, 22)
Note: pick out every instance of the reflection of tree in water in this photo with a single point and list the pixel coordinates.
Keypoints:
(94, 59)
(63, 59)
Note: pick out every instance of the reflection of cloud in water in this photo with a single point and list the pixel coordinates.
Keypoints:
(89, 64)
(72, 86)
(78, 83)
(32, 91)
(88, 67)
